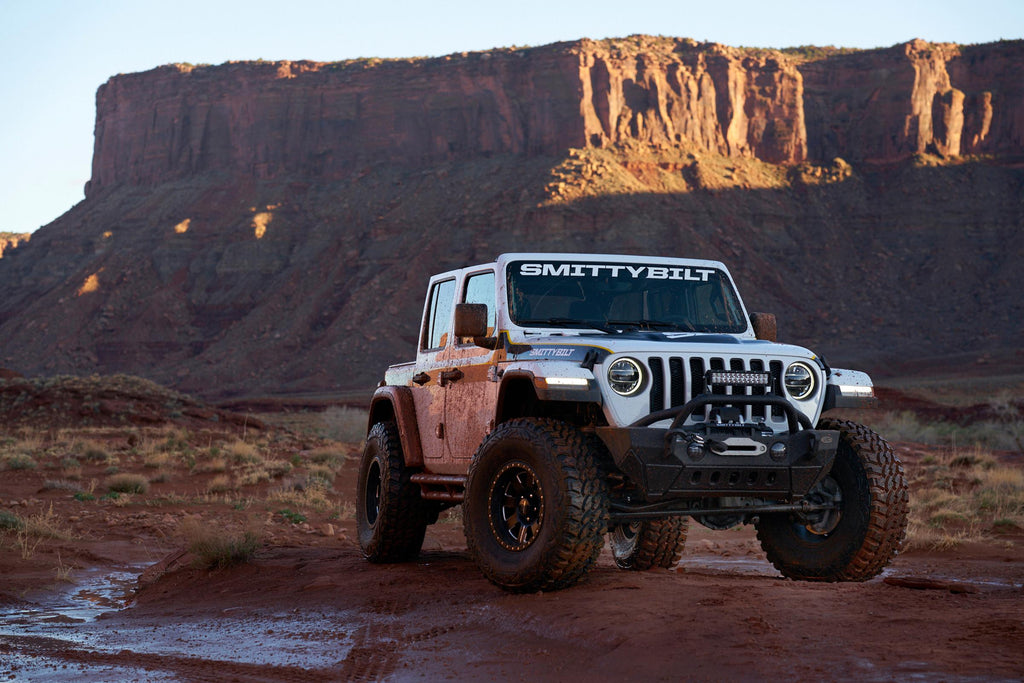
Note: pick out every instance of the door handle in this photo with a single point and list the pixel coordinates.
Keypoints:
(448, 376)
(421, 378)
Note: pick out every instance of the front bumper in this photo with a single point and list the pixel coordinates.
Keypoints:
(712, 459)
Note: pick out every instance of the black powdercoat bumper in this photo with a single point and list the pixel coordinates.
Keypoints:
(687, 461)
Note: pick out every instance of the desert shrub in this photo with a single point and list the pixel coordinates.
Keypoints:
(293, 517)
(343, 423)
(302, 494)
(45, 524)
(217, 547)
(19, 461)
(318, 475)
(10, 521)
(127, 483)
(328, 457)
(250, 476)
(277, 468)
(96, 454)
(242, 452)
(157, 460)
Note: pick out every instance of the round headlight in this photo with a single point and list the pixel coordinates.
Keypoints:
(625, 376)
(800, 381)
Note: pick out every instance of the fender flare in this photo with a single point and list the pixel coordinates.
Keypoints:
(396, 403)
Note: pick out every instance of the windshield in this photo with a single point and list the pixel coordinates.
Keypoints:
(616, 297)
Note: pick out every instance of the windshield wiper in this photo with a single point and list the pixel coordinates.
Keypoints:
(646, 323)
(574, 323)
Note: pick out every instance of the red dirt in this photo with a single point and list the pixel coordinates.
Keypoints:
(309, 608)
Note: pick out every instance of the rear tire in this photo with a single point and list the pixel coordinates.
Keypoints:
(640, 546)
(536, 508)
(858, 539)
(391, 516)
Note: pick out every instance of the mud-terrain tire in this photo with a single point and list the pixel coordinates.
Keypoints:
(536, 508)
(649, 544)
(868, 531)
(391, 517)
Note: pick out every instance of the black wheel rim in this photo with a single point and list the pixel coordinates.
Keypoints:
(516, 506)
(372, 490)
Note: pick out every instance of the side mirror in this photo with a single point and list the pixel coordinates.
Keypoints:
(471, 321)
(765, 326)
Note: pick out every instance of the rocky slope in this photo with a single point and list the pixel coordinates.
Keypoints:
(268, 227)
(10, 240)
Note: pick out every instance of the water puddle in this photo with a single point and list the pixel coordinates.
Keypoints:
(83, 617)
(91, 593)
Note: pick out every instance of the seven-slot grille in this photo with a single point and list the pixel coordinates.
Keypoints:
(675, 380)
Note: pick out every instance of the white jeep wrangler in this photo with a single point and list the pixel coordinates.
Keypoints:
(561, 398)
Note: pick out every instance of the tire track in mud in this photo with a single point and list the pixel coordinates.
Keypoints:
(378, 646)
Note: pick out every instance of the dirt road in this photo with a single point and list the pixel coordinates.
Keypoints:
(320, 612)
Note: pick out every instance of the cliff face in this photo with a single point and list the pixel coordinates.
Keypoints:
(327, 121)
(269, 228)
(265, 120)
(918, 97)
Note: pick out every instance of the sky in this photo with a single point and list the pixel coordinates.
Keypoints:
(57, 53)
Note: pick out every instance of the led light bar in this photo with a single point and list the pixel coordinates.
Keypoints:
(738, 379)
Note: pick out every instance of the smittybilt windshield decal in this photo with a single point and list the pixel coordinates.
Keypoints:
(616, 270)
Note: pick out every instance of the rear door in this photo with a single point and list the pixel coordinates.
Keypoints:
(427, 388)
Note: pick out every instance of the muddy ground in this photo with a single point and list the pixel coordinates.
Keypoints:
(318, 611)
(310, 608)
(117, 598)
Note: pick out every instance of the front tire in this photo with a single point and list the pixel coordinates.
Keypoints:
(640, 546)
(391, 516)
(536, 508)
(861, 535)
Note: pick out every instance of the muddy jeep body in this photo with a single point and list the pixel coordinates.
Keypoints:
(563, 397)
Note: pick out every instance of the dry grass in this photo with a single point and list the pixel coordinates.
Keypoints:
(242, 452)
(127, 483)
(328, 456)
(213, 465)
(19, 461)
(220, 484)
(963, 495)
(31, 531)
(303, 494)
(344, 423)
(217, 547)
(1007, 433)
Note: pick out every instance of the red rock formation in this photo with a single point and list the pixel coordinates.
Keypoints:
(918, 97)
(265, 120)
(308, 119)
(712, 98)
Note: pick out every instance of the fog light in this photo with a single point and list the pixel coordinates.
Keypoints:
(778, 450)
